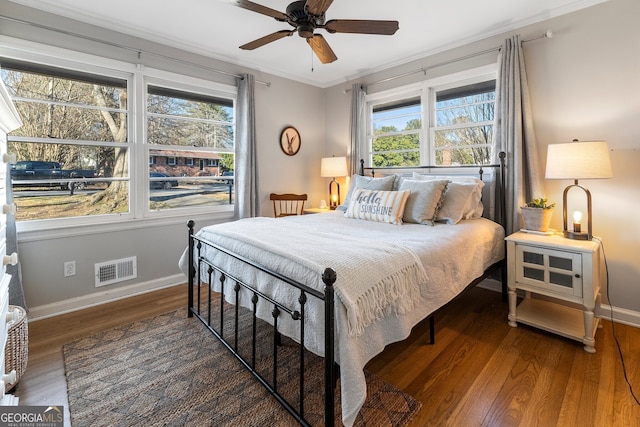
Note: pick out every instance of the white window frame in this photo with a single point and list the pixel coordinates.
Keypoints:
(182, 83)
(426, 90)
(139, 157)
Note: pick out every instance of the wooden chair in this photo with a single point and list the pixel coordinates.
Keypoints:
(287, 204)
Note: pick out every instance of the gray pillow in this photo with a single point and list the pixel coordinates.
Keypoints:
(424, 201)
(367, 183)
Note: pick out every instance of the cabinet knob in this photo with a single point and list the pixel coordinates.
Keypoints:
(9, 209)
(12, 317)
(10, 259)
(577, 275)
(9, 158)
(10, 377)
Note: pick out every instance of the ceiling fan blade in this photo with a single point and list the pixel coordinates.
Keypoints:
(386, 28)
(255, 7)
(317, 7)
(322, 49)
(266, 39)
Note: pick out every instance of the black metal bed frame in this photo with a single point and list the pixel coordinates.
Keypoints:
(297, 313)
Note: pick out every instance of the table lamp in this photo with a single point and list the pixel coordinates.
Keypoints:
(578, 160)
(331, 167)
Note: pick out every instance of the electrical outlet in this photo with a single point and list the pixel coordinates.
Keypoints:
(69, 268)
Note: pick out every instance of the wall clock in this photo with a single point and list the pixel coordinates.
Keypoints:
(290, 141)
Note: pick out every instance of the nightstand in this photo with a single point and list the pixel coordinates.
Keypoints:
(316, 210)
(559, 269)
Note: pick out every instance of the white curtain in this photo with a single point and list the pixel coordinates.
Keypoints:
(358, 131)
(514, 133)
(246, 172)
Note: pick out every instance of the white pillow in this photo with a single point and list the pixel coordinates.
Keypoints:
(376, 205)
(463, 200)
(424, 201)
(459, 202)
(368, 183)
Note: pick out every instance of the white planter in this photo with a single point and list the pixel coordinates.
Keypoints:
(536, 219)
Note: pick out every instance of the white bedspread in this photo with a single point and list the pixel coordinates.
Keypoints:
(444, 258)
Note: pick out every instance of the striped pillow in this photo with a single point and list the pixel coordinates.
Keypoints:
(377, 205)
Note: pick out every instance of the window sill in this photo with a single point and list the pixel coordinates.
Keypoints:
(27, 235)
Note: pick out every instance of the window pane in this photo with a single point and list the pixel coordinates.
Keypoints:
(74, 168)
(397, 116)
(463, 131)
(464, 146)
(170, 193)
(181, 118)
(396, 133)
(397, 150)
(180, 179)
(37, 204)
(177, 131)
(88, 183)
(58, 107)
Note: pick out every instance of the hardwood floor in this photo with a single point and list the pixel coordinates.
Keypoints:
(479, 372)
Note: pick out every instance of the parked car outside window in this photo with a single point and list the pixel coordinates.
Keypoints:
(161, 183)
(228, 174)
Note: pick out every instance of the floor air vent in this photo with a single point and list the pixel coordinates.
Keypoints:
(116, 271)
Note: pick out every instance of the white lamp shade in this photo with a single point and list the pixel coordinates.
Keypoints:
(330, 167)
(578, 160)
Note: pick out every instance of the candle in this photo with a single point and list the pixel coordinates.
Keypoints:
(577, 217)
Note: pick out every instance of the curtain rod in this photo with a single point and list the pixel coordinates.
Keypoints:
(547, 34)
(121, 46)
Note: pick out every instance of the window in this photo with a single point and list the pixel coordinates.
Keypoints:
(463, 124)
(397, 126)
(183, 126)
(444, 122)
(72, 150)
(81, 141)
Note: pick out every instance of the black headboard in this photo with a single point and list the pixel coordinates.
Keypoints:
(493, 195)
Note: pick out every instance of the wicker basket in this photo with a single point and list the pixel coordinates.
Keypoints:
(17, 348)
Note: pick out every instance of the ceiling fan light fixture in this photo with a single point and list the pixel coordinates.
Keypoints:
(305, 31)
(305, 16)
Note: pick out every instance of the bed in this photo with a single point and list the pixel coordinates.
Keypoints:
(345, 285)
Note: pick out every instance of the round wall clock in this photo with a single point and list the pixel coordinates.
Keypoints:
(290, 140)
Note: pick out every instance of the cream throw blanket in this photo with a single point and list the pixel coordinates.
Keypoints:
(373, 280)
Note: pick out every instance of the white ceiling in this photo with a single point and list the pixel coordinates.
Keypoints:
(216, 28)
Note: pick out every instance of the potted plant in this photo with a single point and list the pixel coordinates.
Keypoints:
(537, 214)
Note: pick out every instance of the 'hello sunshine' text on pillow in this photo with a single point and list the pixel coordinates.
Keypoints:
(377, 205)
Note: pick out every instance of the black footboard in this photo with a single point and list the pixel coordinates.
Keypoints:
(201, 307)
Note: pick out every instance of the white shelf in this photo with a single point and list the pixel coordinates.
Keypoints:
(556, 318)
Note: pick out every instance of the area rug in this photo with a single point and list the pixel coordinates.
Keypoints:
(169, 370)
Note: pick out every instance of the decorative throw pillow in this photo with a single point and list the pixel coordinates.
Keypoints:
(376, 205)
(460, 201)
(453, 209)
(424, 201)
(367, 183)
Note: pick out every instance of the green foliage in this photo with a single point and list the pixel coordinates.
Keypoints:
(227, 161)
(540, 203)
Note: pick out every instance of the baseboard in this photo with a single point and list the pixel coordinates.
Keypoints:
(618, 315)
(102, 297)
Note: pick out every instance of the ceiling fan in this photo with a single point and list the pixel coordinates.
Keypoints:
(308, 15)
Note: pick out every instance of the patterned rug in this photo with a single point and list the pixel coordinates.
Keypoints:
(169, 371)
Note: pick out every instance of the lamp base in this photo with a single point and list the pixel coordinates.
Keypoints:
(576, 235)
